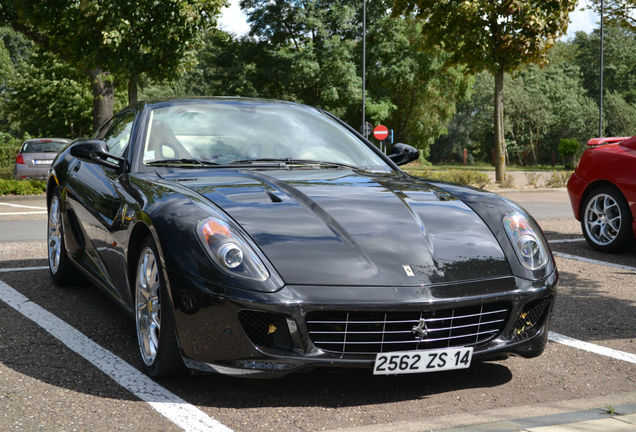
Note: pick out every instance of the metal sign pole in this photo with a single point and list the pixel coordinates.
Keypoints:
(364, 61)
(600, 98)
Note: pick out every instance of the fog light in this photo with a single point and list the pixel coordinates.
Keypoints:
(231, 255)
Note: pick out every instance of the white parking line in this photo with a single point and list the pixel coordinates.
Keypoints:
(22, 206)
(597, 349)
(22, 213)
(166, 403)
(17, 269)
(593, 261)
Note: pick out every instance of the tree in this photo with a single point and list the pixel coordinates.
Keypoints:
(622, 12)
(304, 53)
(119, 37)
(48, 98)
(619, 72)
(496, 36)
(620, 118)
(420, 93)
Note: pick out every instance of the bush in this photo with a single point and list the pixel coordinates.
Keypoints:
(22, 187)
(9, 147)
(568, 148)
(533, 179)
(463, 177)
(558, 179)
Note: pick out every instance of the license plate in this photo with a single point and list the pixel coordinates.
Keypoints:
(405, 362)
(42, 161)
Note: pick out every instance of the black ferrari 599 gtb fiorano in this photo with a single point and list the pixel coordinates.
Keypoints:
(255, 237)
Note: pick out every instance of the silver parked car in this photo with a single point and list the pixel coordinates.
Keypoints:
(35, 157)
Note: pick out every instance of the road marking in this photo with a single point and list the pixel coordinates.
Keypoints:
(593, 261)
(597, 349)
(17, 269)
(22, 206)
(171, 406)
(566, 240)
(23, 213)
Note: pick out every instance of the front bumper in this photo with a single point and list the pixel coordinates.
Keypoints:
(213, 338)
(576, 187)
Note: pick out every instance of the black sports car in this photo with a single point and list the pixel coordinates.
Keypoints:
(254, 237)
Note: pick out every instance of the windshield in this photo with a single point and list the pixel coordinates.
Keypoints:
(43, 146)
(227, 132)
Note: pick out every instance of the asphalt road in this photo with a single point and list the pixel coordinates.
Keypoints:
(45, 385)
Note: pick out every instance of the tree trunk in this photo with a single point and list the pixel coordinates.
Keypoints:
(500, 154)
(132, 91)
(103, 96)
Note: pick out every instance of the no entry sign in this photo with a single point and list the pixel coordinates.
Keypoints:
(380, 132)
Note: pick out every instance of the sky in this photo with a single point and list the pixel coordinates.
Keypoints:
(233, 20)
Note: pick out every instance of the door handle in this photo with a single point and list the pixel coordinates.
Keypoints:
(77, 166)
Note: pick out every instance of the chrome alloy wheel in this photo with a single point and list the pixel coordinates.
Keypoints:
(55, 235)
(602, 219)
(148, 306)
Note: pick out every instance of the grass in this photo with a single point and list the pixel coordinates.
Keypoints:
(481, 166)
(21, 187)
(463, 177)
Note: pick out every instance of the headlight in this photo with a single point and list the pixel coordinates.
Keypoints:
(526, 241)
(229, 250)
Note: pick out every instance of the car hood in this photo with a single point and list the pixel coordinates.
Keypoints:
(346, 227)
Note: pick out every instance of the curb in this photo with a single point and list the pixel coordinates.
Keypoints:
(507, 419)
(22, 197)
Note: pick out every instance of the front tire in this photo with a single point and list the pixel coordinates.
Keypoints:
(61, 268)
(154, 319)
(606, 220)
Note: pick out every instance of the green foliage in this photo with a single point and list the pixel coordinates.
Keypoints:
(543, 106)
(22, 187)
(620, 12)
(418, 91)
(619, 116)
(310, 52)
(49, 98)
(9, 147)
(491, 35)
(497, 37)
(568, 147)
(463, 177)
(619, 73)
(124, 38)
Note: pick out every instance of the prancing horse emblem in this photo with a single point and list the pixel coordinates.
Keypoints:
(420, 330)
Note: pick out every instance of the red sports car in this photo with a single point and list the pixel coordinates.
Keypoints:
(603, 193)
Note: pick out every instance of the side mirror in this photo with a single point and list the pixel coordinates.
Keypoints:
(97, 152)
(403, 153)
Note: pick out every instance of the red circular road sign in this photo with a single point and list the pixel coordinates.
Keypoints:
(380, 132)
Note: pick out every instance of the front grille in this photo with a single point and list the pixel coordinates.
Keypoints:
(531, 319)
(373, 332)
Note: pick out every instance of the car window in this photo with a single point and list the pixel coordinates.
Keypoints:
(43, 146)
(116, 133)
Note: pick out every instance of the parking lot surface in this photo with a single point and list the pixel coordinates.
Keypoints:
(64, 354)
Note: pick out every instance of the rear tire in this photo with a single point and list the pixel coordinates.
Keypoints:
(154, 319)
(62, 270)
(606, 220)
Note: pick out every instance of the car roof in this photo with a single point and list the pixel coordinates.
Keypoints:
(210, 99)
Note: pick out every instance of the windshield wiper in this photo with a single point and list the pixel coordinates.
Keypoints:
(289, 161)
(184, 161)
